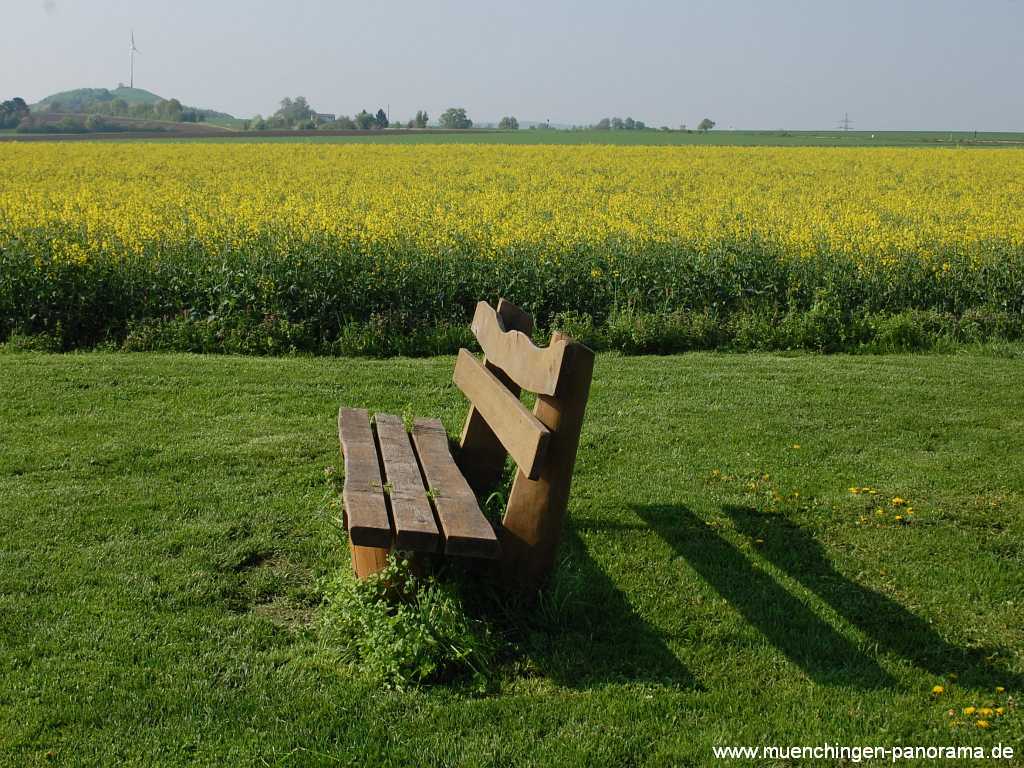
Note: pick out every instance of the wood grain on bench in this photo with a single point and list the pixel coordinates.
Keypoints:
(533, 368)
(466, 530)
(410, 508)
(365, 507)
(482, 456)
(522, 434)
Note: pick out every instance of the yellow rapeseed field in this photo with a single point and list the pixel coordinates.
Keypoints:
(98, 236)
(866, 203)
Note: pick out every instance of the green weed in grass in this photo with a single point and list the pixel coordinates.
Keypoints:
(403, 628)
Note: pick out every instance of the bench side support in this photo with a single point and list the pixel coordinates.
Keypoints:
(535, 517)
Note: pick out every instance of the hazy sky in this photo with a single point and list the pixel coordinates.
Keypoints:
(745, 64)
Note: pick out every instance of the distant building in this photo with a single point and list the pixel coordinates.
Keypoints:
(324, 117)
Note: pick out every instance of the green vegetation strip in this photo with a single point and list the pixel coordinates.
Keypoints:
(167, 531)
(828, 138)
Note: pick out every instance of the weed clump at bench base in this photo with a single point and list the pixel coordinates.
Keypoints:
(403, 629)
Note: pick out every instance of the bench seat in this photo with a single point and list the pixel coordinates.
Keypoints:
(404, 491)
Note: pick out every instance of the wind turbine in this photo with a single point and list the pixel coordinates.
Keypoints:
(132, 50)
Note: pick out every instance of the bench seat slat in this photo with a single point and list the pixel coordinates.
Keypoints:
(415, 528)
(365, 508)
(467, 532)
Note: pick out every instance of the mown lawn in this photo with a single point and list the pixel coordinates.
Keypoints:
(166, 524)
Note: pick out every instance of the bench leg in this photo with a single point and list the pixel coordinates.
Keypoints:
(367, 560)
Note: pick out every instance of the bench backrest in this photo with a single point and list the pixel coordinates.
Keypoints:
(542, 443)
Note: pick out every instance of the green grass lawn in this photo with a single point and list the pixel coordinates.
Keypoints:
(166, 524)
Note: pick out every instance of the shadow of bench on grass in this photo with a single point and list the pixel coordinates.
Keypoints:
(595, 636)
(808, 641)
(891, 626)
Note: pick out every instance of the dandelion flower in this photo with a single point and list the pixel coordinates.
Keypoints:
(982, 724)
(938, 690)
(969, 710)
(1000, 689)
(985, 712)
(1000, 710)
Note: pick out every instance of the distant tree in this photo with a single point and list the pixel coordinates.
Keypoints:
(259, 124)
(508, 124)
(455, 117)
(69, 125)
(294, 111)
(604, 124)
(364, 120)
(421, 118)
(706, 125)
(629, 124)
(617, 124)
(119, 107)
(170, 109)
(411, 123)
(640, 125)
(381, 119)
(95, 123)
(12, 112)
(345, 122)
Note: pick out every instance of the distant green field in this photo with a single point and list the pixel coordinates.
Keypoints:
(654, 137)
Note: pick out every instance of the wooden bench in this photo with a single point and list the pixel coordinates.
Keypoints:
(405, 491)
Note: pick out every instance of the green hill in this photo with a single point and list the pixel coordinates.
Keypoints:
(97, 99)
(80, 99)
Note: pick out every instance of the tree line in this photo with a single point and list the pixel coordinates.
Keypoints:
(297, 114)
(619, 124)
(629, 124)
